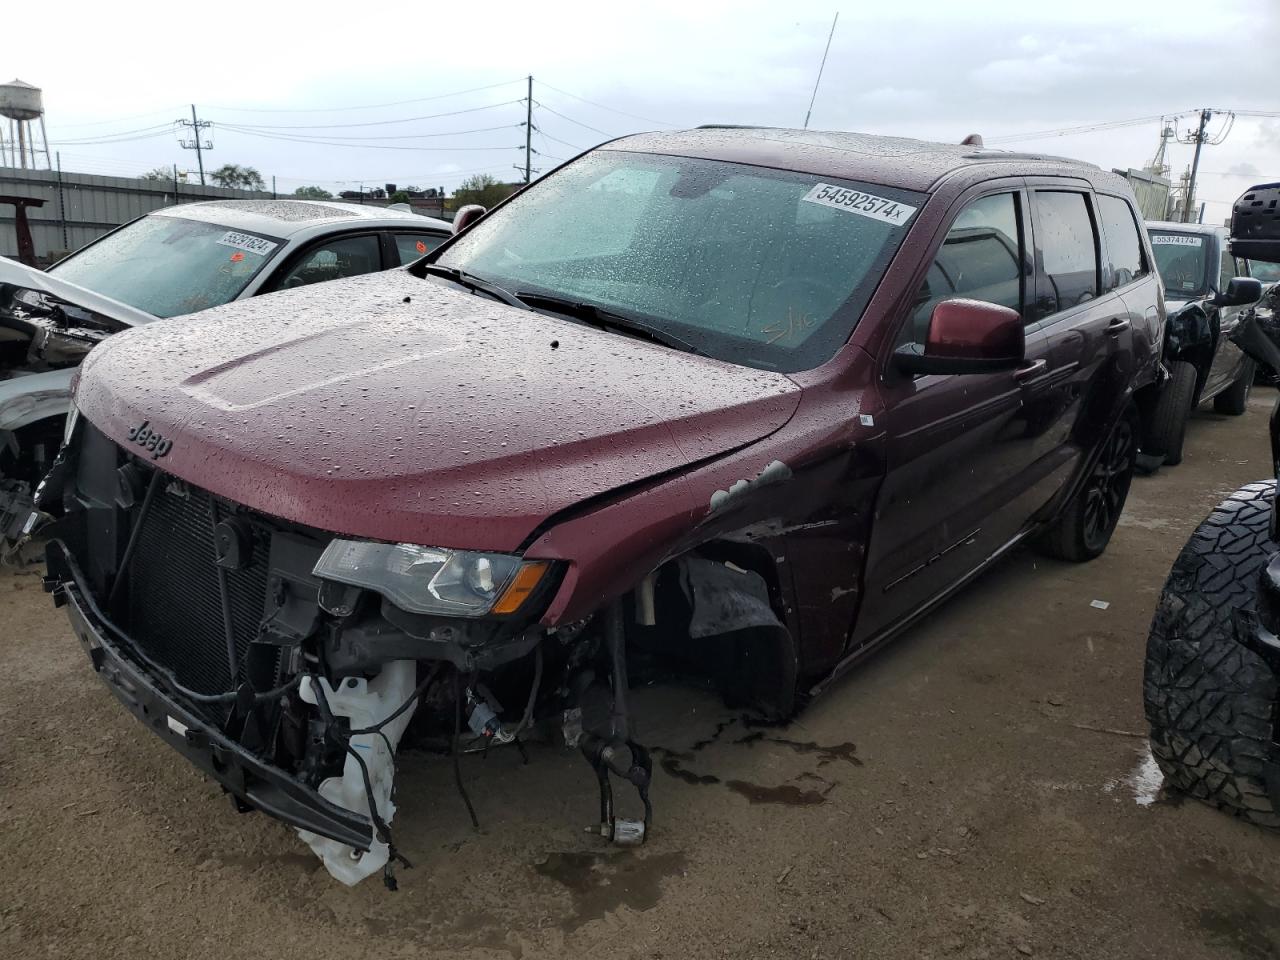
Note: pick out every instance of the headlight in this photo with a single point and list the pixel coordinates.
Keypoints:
(457, 583)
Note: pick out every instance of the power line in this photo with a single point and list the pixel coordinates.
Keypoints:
(634, 116)
(370, 106)
(373, 123)
(543, 106)
(1085, 128)
(136, 116)
(288, 138)
(307, 138)
(114, 136)
(558, 140)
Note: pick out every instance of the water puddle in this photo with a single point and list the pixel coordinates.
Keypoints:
(602, 882)
(1144, 781)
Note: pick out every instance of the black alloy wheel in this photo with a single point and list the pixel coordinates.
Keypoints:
(1108, 485)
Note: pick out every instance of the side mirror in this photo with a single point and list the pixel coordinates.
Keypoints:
(966, 336)
(466, 216)
(1240, 292)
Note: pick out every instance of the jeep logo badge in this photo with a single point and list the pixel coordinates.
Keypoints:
(150, 440)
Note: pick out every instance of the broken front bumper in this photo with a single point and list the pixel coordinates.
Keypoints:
(253, 781)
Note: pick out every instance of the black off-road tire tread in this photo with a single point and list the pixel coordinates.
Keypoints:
(1172, 411)
(1211, 701)
(1234, 400)
(1064, 540)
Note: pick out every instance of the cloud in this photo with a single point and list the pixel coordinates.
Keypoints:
(1244, 169)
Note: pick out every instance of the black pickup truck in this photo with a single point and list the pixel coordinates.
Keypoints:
(1212, 680)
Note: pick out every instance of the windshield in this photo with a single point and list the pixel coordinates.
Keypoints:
(170, 265)
(1180, 259)
(1266, 272)
(765, 268)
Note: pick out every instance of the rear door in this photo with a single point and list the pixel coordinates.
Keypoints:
(962, 449)
(411, 245)
(1086, 323)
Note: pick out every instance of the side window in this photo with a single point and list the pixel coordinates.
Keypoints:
(414, 246)
(1123, 245)
(1068, 250)
(1227, 272)
(980, 259)
(347, 257)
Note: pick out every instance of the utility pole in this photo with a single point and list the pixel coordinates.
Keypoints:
(196, 143)
(62, 206)
(175, 183)
(528, 133)
(1205, 114)
(273, 187)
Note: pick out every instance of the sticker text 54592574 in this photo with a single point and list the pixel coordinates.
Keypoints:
(863, 204)
(247, 242)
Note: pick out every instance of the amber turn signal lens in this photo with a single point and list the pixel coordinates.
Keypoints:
(526, 579)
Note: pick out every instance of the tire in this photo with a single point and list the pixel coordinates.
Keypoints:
(1210, 700)
(1173, 408)
(1085, 526)
(1235, 399)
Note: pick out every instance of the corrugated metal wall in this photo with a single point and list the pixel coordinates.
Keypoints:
(91, 205)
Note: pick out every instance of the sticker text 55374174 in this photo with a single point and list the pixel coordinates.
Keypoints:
(863, 204)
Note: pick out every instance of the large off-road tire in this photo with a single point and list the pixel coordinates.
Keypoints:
(1211, 700)
(1084, 529)
(1173, 409)
(1235, 399)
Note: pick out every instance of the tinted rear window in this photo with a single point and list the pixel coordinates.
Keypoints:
(1123, 244)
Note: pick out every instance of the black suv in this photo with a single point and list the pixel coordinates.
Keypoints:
(1204, 307)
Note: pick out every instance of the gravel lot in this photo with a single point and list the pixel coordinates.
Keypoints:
(972, 792)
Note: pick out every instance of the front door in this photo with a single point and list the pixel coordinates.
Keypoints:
(1227, 358)
(962, 450)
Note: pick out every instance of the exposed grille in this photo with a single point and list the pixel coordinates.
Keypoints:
(175, 607)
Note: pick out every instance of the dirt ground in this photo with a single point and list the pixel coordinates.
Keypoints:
(971, 793)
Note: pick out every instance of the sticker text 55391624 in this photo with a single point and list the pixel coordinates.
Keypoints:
(863, 204)
(247, 242)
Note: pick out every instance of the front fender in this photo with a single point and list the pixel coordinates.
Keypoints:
(26, 399)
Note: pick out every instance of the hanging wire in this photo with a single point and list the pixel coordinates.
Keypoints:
(369, 106)
(375, 123)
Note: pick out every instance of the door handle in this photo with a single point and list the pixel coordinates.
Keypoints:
(1031, 370)
(1117, 327)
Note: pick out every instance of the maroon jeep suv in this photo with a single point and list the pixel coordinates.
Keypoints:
(748, 401)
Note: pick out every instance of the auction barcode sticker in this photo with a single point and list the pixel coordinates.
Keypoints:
(863, 204)
(248, 242)
(1175, 240)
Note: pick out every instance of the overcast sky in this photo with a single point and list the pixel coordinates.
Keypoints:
(934, 69)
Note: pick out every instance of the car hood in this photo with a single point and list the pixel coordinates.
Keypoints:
(402, 409)
(18, 276)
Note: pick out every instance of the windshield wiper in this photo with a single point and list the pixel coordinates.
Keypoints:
(607, 319)
(474, 283)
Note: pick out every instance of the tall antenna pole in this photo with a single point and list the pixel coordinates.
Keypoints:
(528, 132)
(820, 68)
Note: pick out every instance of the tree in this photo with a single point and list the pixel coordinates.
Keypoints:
(159, 173)
(483, 189)
(400, 196)
(234, 175)
(313, 193)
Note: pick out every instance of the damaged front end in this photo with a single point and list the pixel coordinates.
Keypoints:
(288, 664)
(47, 327)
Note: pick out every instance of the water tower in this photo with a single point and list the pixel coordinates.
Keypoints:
(22, 105)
